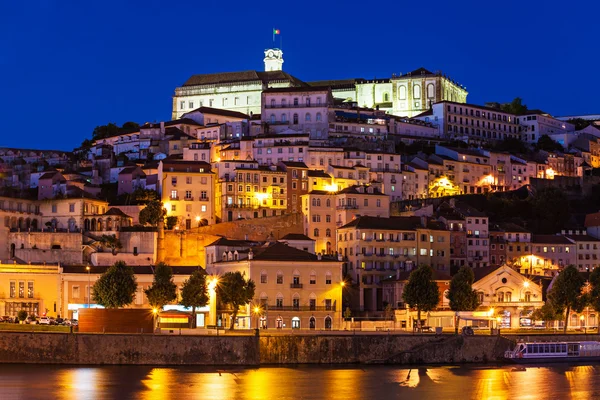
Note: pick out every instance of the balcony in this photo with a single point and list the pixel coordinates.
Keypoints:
(300, 308)
(347, 207)
(191, 198)
(173, 197)
(295, 286)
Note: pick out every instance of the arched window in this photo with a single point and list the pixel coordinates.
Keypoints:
(328, 278)
(402, 92)
(508, 297)
(314, 202)
(263, 298)
(417, 91)
(430, 91)
(386, 97)
(307, 117)
(283, 118)
(318, 202)
(328, 322)
(296, 301)
(328, 203)
(318, 117)
(283, 103)
(313, 277)
(279, 277)
(272, 103)
(279, 300)
(328, 232)
(295, 118)
(316, 232)
(263, 276)
(272, 118)
(312, 323)
(224, 256)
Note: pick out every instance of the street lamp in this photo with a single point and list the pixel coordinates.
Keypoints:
(257, 313)
(154, 313)
(88, 269)
(582, 319)
(341, 310)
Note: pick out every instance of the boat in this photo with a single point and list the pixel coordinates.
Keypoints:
(550, 352)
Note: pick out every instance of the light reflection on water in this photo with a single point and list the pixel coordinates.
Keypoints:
(306, 382)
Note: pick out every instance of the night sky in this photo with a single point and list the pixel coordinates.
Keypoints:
(67, 66)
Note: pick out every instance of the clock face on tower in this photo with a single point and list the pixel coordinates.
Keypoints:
(270, 54)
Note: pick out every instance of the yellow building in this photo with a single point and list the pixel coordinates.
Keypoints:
(187, 192)
(33, 288)
(294, 288)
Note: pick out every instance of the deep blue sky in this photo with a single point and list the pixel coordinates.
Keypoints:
(67, 66)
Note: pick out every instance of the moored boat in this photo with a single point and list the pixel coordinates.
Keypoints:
(547, 352)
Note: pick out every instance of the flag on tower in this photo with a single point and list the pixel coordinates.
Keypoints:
(275, 32)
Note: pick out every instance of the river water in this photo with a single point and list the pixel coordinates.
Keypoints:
(327, 382)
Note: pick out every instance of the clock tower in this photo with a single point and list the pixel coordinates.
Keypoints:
(273, 60)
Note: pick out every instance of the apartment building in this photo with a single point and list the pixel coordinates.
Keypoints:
(374, 248)
(187, 191)
(294, 288)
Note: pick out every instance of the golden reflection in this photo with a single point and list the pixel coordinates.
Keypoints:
(579, 379)
(157, 383)
(341, 383)
(84, 381)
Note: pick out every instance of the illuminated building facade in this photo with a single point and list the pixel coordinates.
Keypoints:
(186, 189)
(374, 248)
(295, 289)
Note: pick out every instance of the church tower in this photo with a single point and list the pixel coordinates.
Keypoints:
(273, 60)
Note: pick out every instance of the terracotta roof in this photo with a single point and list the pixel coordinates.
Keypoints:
(482, 272)
(219, 111)
(318, 173)
(185, 166)
(294, 164)
(233, 242)
(242, 76)
(296, 236)
(299, 89)
(391, 223)
(582, 238)
(282, 252)
(549, 239)
(592, 219)
(116, 212)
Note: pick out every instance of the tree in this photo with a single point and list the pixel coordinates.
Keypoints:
(566, 293)
(461, 294)
(580, 123)
(163, 289)
(594, 293)
(421, 291)
(547, 144)
(111, 242)
(546, 313)
(388, 313)
(235, 291)
(152, 213)
(144, 196)
(116, 287)
(194, 293)
(171, 222)
(515, 107)
(22, 315)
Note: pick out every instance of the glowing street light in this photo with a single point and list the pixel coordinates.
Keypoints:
(257, 311)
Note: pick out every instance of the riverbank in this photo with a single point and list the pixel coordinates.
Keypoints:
(251, 350)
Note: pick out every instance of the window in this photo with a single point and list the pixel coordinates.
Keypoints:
(53, 208)
(328, 278)
(313, 278)
(279, 277)
(279, 302)
(316, 232)
(296, 302)
(13, 289)
(417, 91)
(307, 117)
(295, 119)
(402, 92)
(30, 290)
(75, 292)
(263, 277)
(72, 207)
(21, 289)
(319, 117)
(430, 91)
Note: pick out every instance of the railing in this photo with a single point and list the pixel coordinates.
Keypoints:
(301, 308)
(191, 198)
(173, 197)
(295, 286)
(347, 207)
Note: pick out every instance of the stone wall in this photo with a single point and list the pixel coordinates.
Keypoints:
(64, 348)
(187, 247)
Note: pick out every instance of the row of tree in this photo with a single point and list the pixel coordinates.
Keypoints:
(117, 286)
(422, 292)
(570, 291)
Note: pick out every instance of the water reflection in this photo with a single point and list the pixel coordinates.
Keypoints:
(348, 383)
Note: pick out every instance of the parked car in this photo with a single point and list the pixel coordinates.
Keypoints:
(59, 321)
(6, 318)
(44, 321)
(31, 321)
(69, 322)
(467, 331)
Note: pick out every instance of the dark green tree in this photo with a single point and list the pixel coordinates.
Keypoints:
(163, 290)
(111, 242)
(594, 291)
(144, 196)
(194, 293)
(116, 287)
(171, 222)
(580, 123)
(461, 294)
(22, 315)
(515, 107)
(567, 294)
(546, 313)
(421, 291)
(235, 291)
(547, 144)
(152, 213)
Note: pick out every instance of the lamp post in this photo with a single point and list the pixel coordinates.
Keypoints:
(257, 313)
(582, 319)
(88, 269)
(154, 312)
(342, 285)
